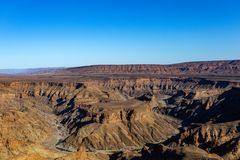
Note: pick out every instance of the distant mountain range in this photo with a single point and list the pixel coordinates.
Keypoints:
(29, 71)
(228, 67)
(205, 67)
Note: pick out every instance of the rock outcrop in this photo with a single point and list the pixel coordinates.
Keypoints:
(121, 117)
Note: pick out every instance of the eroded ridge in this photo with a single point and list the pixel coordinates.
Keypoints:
(117, 118)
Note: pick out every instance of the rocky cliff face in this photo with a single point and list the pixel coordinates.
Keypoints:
(117, 118)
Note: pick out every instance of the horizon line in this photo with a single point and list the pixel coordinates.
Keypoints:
(117, 64)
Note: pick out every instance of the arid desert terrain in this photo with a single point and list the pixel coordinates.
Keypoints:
(186, 111)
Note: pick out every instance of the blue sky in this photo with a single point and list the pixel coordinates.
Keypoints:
(61, 33)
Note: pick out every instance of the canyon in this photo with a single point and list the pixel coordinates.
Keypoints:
(122, 112)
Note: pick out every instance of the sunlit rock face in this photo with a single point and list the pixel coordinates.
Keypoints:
(57, 117)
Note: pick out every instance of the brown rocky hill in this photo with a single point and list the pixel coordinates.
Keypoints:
(112, 117)
(190, 68)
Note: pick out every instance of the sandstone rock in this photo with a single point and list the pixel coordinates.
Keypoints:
(114, 118)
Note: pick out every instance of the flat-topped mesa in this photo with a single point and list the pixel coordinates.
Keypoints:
(217, 68)
(211, 67)
(122, 129)
(96, 91)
